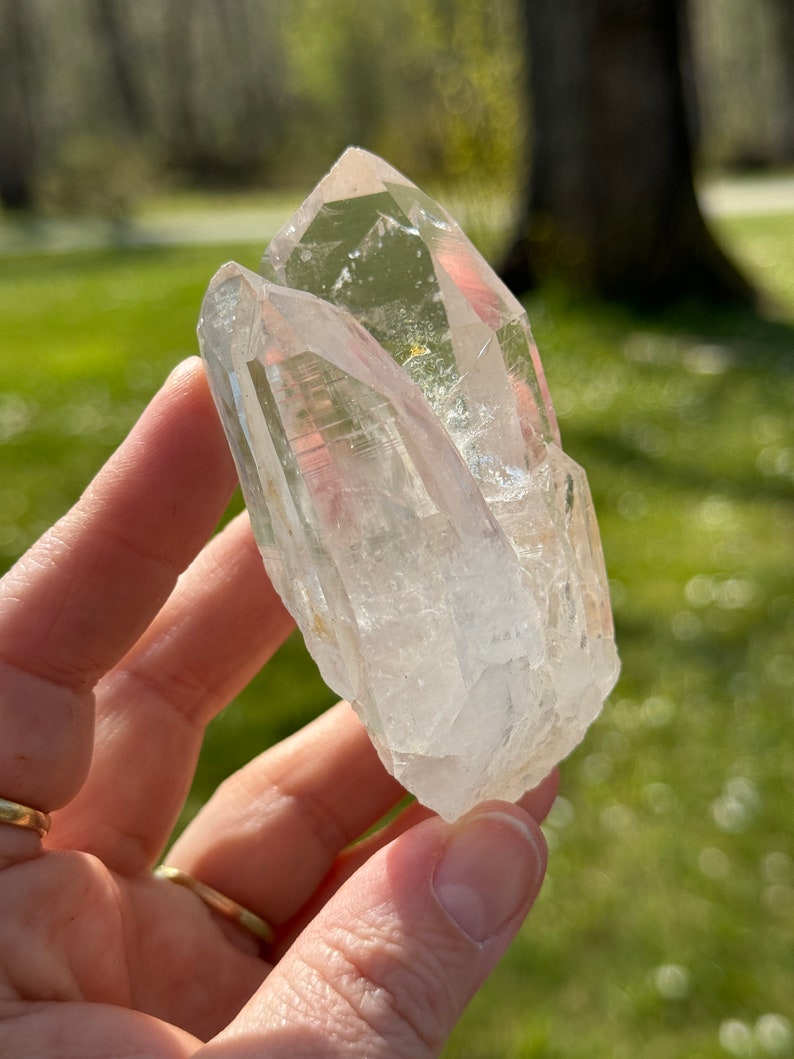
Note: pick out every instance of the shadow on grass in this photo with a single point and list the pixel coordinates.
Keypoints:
(762, 341)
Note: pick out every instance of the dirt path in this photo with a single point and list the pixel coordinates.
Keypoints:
(258, 224)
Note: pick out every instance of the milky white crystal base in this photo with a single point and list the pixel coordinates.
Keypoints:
(400, 460)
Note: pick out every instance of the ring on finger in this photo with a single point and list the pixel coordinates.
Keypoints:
(23, 816)
(218, 902)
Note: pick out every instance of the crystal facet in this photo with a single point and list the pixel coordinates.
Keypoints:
(401, 463)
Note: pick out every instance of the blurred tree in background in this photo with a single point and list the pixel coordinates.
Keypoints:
(19, 96)
(610, 203)
(103, 100)
(106, 100)
(745, 66)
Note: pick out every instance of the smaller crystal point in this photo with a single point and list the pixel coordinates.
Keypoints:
(400, 459)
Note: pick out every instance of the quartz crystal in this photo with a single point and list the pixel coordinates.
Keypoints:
(401, 463)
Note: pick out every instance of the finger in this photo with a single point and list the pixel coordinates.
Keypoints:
(82, 595)
(389, 965)
(539, 801)
(221, 624)
(536, 803)
(272, 831)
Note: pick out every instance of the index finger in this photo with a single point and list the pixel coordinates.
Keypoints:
(76, 602)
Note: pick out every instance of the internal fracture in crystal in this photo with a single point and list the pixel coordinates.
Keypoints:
(401, 463)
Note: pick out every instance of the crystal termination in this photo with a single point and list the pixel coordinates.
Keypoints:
(401, 462)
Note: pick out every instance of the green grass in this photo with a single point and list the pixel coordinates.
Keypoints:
(666, 928)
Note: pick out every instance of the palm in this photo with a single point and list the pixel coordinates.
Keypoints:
(112, 941)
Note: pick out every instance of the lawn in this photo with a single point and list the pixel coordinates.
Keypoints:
(666, 926)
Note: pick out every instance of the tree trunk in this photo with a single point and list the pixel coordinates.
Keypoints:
(783, 26)
(109, 17)
(611, 206)
(18, 98)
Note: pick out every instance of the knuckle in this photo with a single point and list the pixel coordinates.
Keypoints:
(394, 993)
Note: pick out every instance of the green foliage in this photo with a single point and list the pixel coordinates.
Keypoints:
(667, 923)
(669, 920)
(435, 87)
(98, 103)
(259, 93)
(98, 177)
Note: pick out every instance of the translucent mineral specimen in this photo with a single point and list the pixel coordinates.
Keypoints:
(401, 463)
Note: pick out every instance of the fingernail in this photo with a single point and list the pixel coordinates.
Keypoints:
(488, 873)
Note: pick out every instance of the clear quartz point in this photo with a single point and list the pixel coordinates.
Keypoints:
(401, 463)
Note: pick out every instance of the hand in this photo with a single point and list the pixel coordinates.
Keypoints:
(121, 635)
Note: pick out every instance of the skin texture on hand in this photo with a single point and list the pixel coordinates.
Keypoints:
(122, 633)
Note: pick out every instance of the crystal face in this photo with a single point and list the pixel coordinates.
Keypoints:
(401, 463)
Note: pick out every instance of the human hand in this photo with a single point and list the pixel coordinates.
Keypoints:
(121, 635)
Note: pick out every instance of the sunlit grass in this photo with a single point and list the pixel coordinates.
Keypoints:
(667, 925)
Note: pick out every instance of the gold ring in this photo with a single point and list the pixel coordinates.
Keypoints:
(218, 902)
(23, 816)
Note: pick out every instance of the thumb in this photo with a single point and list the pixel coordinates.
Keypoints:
(387, 967)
